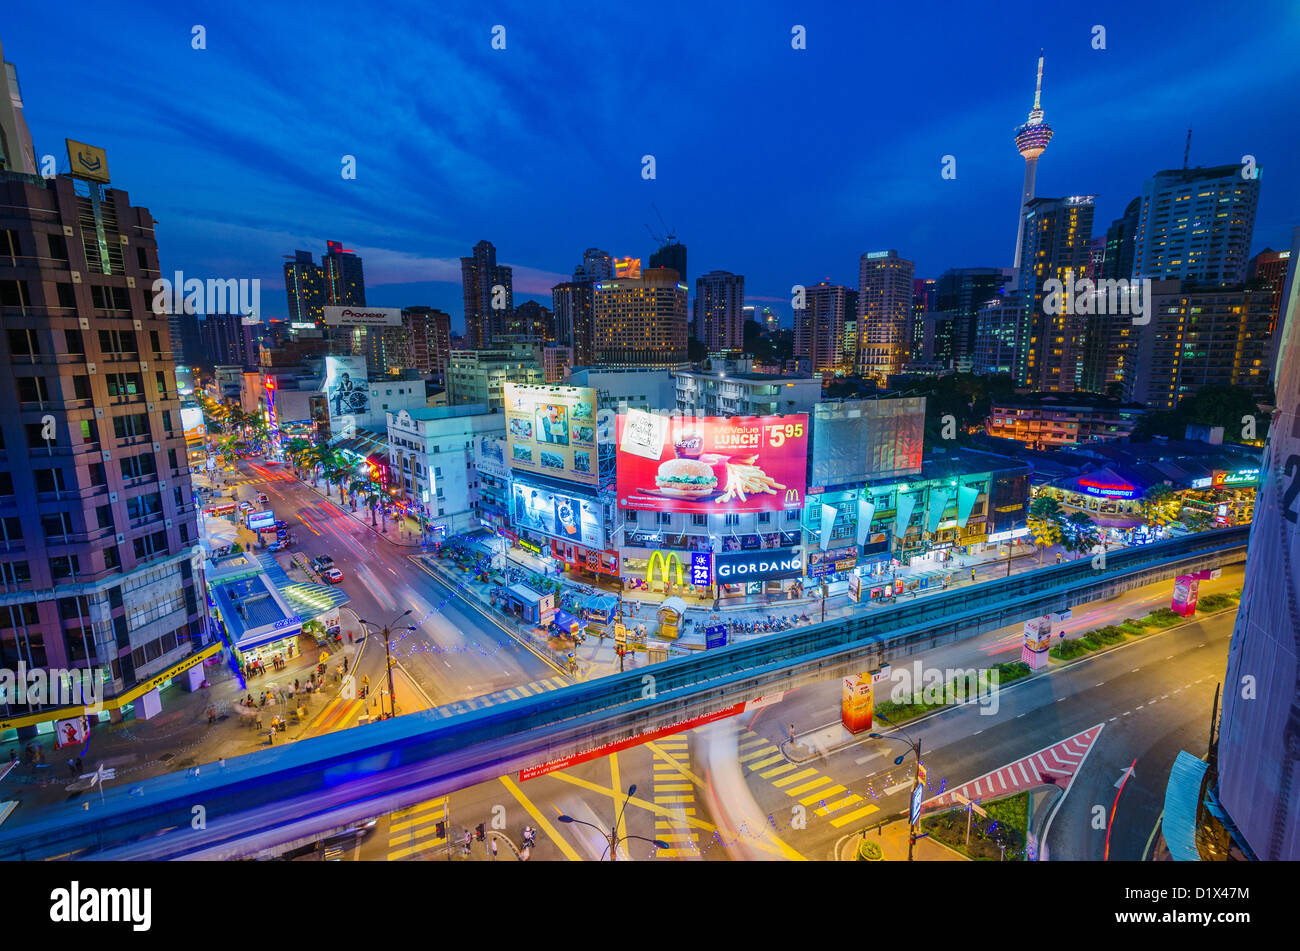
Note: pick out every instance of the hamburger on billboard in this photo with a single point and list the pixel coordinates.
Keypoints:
(711, 464)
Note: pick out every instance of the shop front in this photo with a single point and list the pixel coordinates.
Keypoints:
(529, 605)
(770, 574)
(588, 561)
(668, 572)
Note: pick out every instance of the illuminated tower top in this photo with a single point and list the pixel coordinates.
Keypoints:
(1033, 136)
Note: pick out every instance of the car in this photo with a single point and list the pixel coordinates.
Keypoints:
(321, 562)
(263, 498)
(332, 575)
(281, 524)
(245, 506)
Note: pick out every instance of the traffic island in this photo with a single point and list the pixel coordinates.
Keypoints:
(890, 839)
(1000, 833)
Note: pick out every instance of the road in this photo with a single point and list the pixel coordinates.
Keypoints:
(456, 652)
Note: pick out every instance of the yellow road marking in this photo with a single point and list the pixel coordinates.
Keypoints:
(793, 778)
(757, 753)
(852, 816)
(542, 821)
(819, 781)
(777, 770)
(821, 794)
(838, 805)
(755, 767)
(615, 783)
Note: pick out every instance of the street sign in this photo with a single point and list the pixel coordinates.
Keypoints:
(917, 793)
(920, 772)
(715, 635)
(958, 797)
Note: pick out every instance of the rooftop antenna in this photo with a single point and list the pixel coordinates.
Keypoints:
(1187, 149)
(1038, 90)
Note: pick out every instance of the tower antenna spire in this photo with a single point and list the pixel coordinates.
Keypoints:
(1038, 89)
(1187, 149)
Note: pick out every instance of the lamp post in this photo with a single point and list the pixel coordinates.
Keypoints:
(388, 658)
(915, 748)
(610, 837)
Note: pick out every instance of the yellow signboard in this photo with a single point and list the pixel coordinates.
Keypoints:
(87, 161)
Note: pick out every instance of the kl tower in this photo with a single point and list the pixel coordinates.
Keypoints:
(1031, 141)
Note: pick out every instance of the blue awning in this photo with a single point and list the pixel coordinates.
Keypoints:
(566, 621)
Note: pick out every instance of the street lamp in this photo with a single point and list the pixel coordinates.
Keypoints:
(388, 659)
(915, 748)
(609, 837)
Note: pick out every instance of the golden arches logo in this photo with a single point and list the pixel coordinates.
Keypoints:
(666, 563)
(792, 495)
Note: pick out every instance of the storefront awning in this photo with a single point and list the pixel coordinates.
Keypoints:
(565, 621)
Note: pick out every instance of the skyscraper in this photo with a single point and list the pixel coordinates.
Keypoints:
(819, 327)
(961, 292)
(572, 305)
(1121, 239)
(338, 280)
(98, 558)
(596, 265)
(884, 313)
(640, 321)
(429, 339)
(719, 317)
(228, 341)
(480, 275)
(1031, 141)
(1196, 225)
(1057, 233)
(671, 254)
(1258, 751)
(16, 151)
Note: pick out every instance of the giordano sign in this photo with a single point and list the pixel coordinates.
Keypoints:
(737, 566)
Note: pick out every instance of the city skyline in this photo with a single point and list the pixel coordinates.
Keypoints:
(276, 185)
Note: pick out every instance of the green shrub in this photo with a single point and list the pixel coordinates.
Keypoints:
(1163, 617)
(1012, 670)
(1069, 649)
(1110, 634)
(869, 852)
(1216, 602)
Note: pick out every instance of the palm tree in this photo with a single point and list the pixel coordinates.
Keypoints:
(1045, 523)
(1198, 520)
(1160, 505)
(295, 450)
(356, 488)
(1080, 533)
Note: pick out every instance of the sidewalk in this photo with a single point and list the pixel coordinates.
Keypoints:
(892, 837)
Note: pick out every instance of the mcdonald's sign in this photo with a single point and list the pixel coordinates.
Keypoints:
(666, 565)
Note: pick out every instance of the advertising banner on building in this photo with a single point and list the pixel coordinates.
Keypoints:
(336, 316)
(823, 563)
(860, 440)
(551, 431)
(856, 703)
(71, 732)
(347, 392)
(490, 455)
(711, 464)
(1187, 590)
(569, 518)
(193, 425)
(733, 567)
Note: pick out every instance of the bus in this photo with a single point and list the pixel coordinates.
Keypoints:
(222, 508)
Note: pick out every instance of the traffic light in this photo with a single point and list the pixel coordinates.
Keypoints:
(478, 832)
(440, 830)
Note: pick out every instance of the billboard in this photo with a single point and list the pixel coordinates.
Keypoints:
(347, 392)
(551, 431)
(490, 455)
(711, 464)
(860, 440)
(336, 316)
(823, 563)
(629, 268)
(263, 521)
(192, 423)
(857, 703)
(87, 161)
(566, 517)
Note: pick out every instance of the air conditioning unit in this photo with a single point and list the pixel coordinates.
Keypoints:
(162, 483)
(169, 522)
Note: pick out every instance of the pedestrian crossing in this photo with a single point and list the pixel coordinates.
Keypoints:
(674, 791)
(415, 829)
(500, 696)
(804, 784)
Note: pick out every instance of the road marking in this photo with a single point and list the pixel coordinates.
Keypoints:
(819, 781)
(1127, 712)
(1112, 719)
(857, 814)
(1061, 700)
(1141, 705)
(1019, 715)
(862, 759)
(755, 767)
(977, 733)
(569, 852)
(794, 778)
(1135, 670)
(1099, 684)
(777, 770)
(820, 795)
(890, 790)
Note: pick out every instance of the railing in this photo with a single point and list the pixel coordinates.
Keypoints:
(312, 783)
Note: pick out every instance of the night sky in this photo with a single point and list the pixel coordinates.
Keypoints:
(778, 164)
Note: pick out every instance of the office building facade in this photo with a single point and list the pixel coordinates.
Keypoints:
(884, 314)
(488, 291)
(1196, 225)
(719, 317)
(640, 322)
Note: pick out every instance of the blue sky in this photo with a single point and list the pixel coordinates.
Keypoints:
(779, 164)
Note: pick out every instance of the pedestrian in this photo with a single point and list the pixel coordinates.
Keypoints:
(296, 685)
(792, 734)
(494, 848)
(345, 663)
(468, 839)
(212, 716)
(349, 636)
(80, 768)
(972, 574)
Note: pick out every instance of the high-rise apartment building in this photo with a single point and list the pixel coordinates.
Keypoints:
(98, 534)
(961, 292)
(1055, 246)
(719, 311)
(1196, 225)
(1197, 337)
(640, 322)
(488, 290)
(1121, 241)
(339, 280)
(531, 323)
(1002, 336)
(477, 376)
(597, 265)
(572, 304)
(16, 151)
(1268, 270)
(228, 341)
(429, 339)
(884, 314)
(819, 327)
